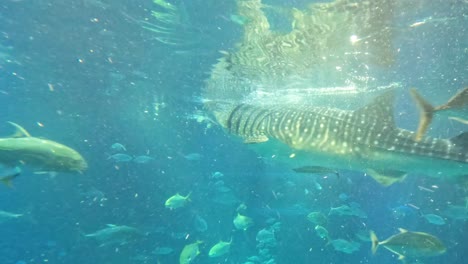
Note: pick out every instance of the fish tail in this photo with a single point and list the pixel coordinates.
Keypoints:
(328, 242)
(420, 213)
(426, 112)
(8, 182)
(375, 241)
(188, 196)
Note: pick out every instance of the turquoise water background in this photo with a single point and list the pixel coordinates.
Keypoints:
(85, 73)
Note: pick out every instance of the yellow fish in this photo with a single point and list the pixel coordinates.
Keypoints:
(410, 244)
(242, 222)
(177, 201)
(189, 253)
(220, 249)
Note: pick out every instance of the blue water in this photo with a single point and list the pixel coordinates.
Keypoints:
(86, 74)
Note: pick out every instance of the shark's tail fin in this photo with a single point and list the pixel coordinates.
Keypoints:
(426, 113)
(375, 241)
(459, 100)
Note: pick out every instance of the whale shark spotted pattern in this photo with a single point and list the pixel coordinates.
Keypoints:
(334, 44)
(365, 139)
(339, 131)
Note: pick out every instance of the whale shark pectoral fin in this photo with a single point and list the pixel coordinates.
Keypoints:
(426, 113)
(461, 140)
(255, 139)
(20, 131)
(387, 177)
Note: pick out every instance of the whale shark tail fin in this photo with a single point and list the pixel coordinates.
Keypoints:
(426, 113)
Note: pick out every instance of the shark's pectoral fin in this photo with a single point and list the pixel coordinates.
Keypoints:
(461, 140)
(255, 139)
(387, 177)
(426, 112)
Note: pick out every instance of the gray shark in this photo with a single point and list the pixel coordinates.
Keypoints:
(39, 154)
(365, 139)
(115, 234)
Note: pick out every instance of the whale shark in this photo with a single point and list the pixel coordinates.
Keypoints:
(366, 139)
(268, 91)
(41, 155)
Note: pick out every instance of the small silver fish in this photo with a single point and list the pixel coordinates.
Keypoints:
(200, 224)
(115, 234)
(348, 210)
(118, 147)
(163, 251)
(5, 216)
(193, 156)
(434, 219)
(316, 170)
(120, 157)
(143, 159)
(456, 212)
(322, 232)
(345, 246)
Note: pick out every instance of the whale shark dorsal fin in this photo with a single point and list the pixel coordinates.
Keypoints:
(381, 108)
(20, 131)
